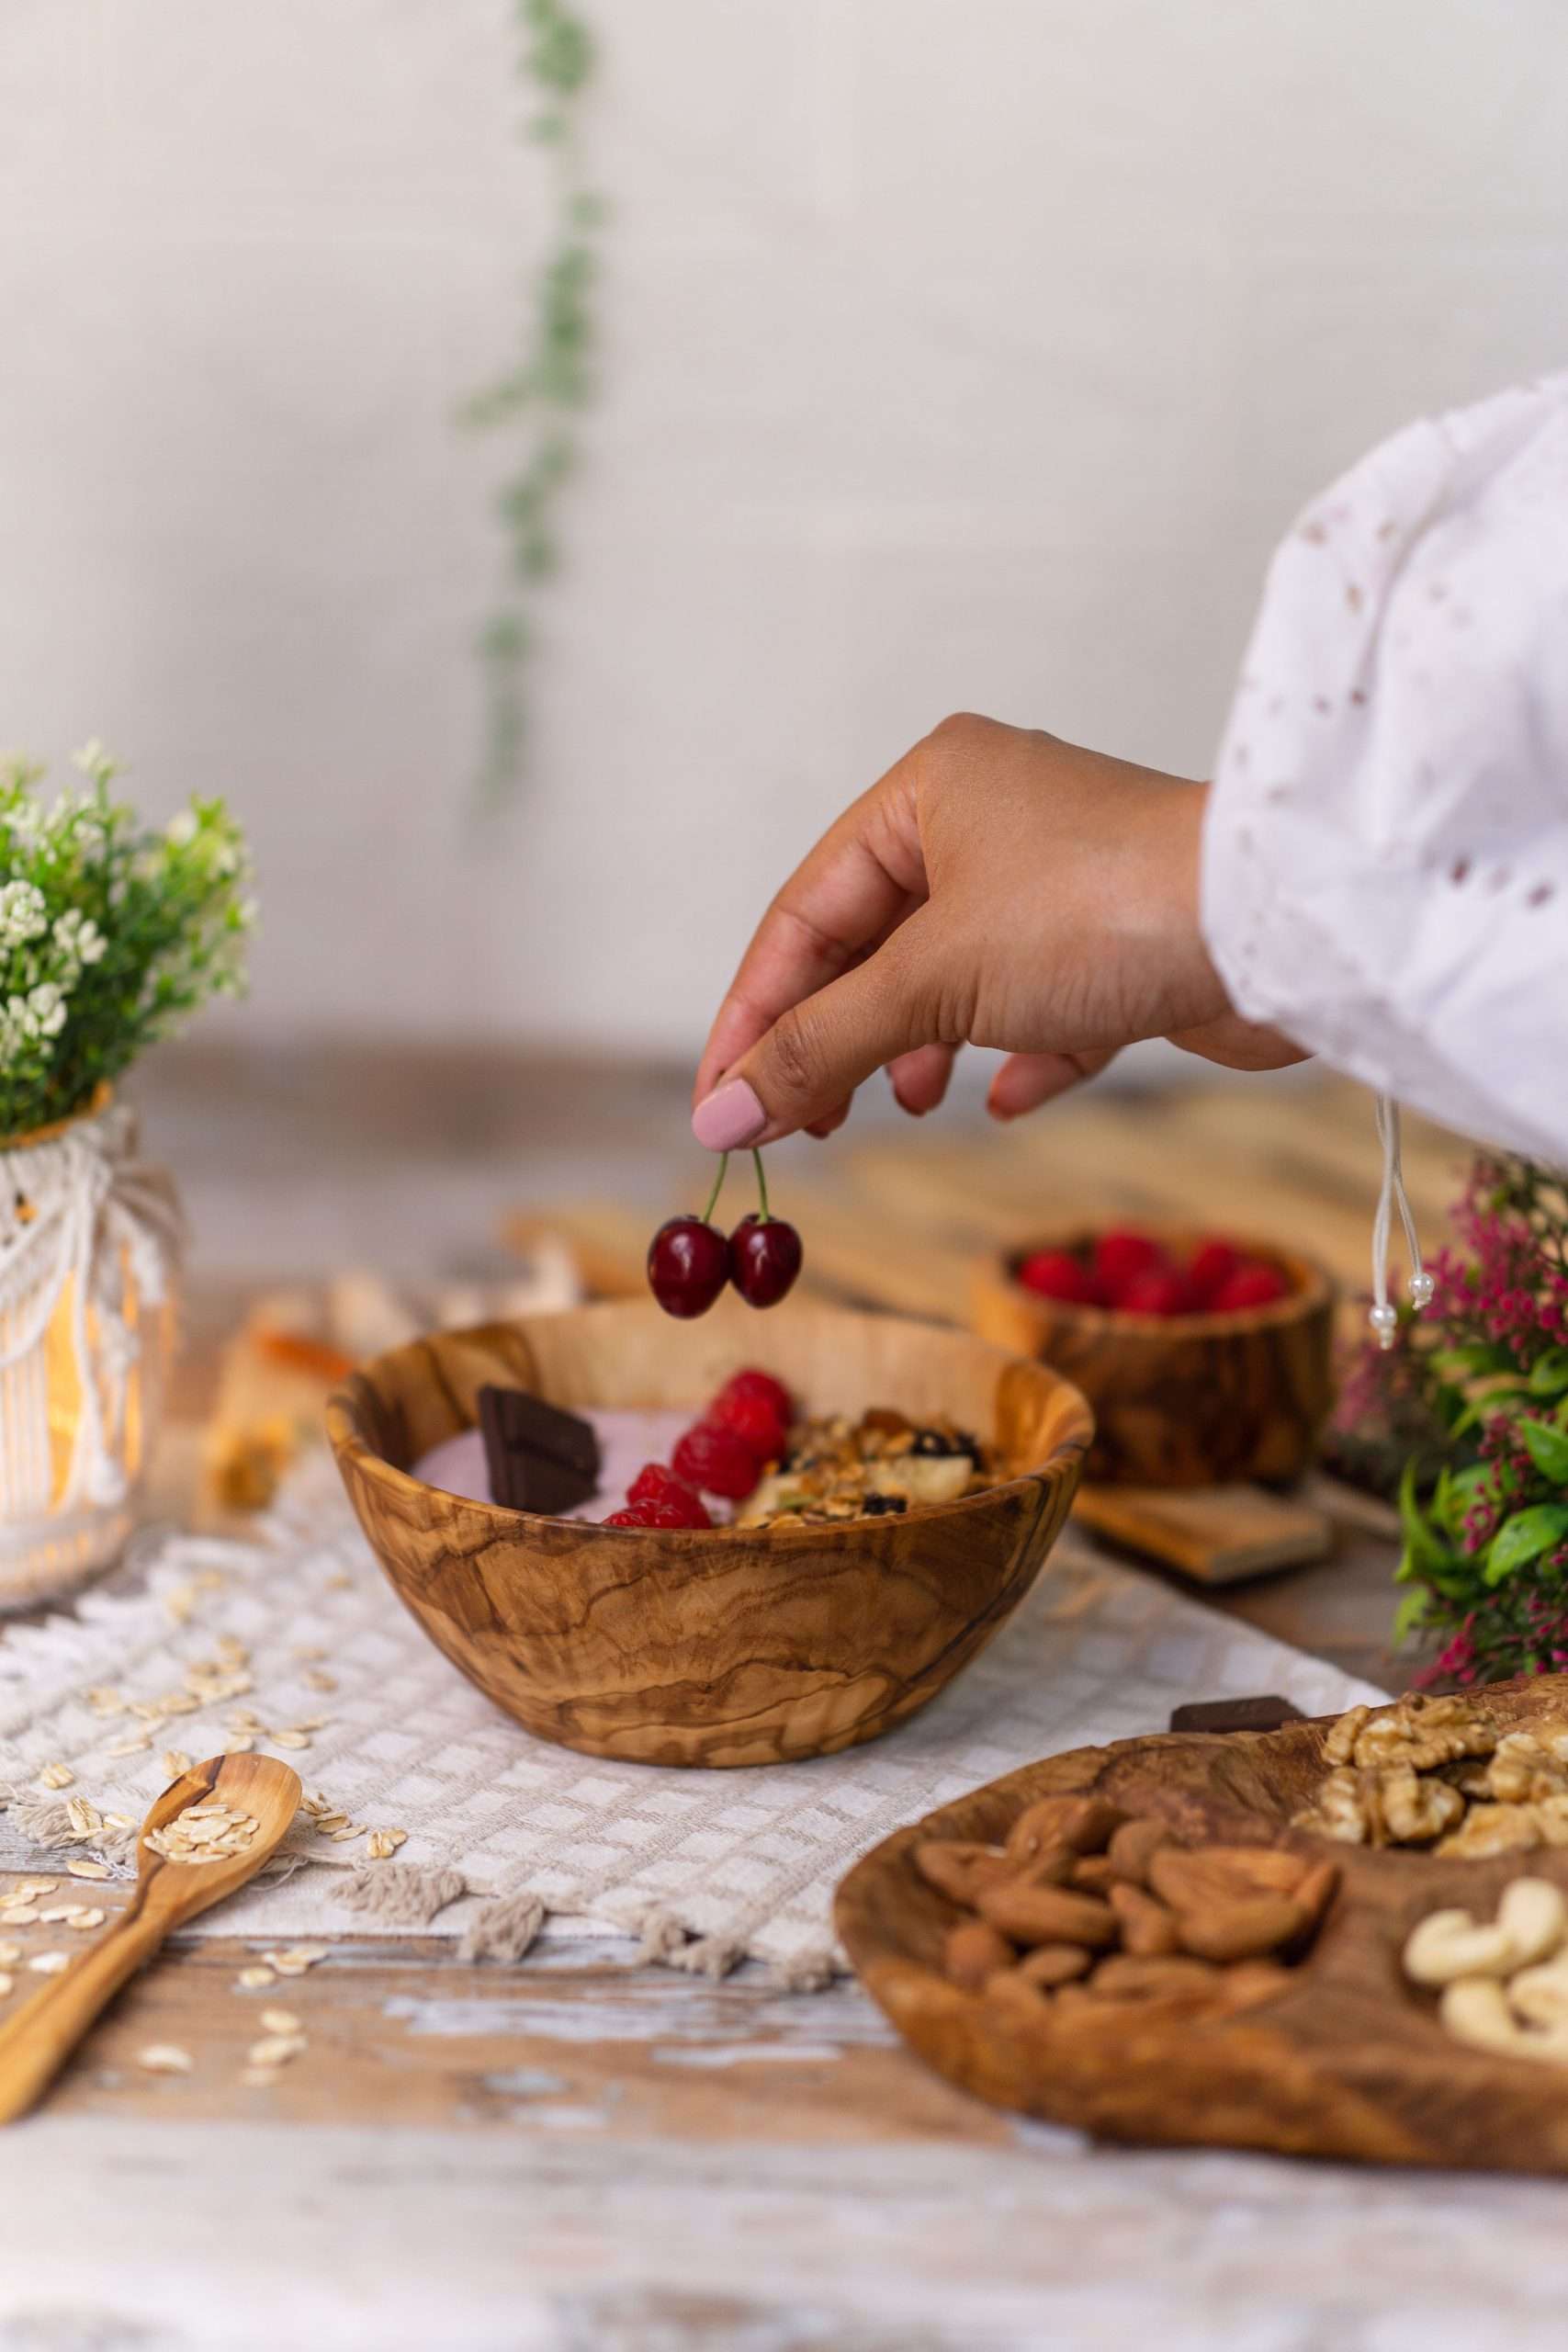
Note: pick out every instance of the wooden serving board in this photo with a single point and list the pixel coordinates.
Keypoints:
(1350, 2062)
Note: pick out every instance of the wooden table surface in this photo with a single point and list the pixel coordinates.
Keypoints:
(579, 2153)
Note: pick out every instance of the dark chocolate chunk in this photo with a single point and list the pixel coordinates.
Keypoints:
(1236, 1714)
(527, 1424)
(880, 1506)
(538, 1458)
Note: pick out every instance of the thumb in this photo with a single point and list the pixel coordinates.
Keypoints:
(815, 1055)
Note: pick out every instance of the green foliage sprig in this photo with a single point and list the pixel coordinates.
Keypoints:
(109, 934)
(538, 399)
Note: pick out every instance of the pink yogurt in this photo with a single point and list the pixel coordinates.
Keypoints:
(626, 1439)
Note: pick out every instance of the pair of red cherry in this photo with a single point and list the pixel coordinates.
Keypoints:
(746, 1426)
(690, 1261)
(1135, 1274)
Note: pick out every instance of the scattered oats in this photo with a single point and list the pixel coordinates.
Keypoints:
(338, 1584)
(254, 1979)
(290, 1739)
(7, 1984)
(280, 2021)
(259, 2078)
(58, 1912)
(179, 1702)
(327, 1822)
(9, 1954)
(50, 1963)
(204, 1832)
(309, 1651)
(85, 1820)
(297, 1959)
(275, 2048)
(19, 1915)
(119, 1821)
(315, 1804)
(130, 1746)
(385, 1843)
(26, 1888)
(56, 1776)
(83, 1922)
(241, 1744)
(180, 1601)
(105, 1701)
(351, 1829)
(316, 1680)
(312, 1722)
(245, 1719)
(164, 2058)
(88, 1870)
(175, 1761)
(150, 1711)
(232, 1651)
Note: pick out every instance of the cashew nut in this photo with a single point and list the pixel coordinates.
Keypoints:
(1539, 1995)
(1447, 1946)
(1531, 1921)
(1534, 1918)
(1475, 2009)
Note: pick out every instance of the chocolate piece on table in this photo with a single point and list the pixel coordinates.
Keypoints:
(538, 1458)
(1236, 1714)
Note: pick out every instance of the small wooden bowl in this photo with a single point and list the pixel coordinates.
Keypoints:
(1195, 1400)
(723, 1646)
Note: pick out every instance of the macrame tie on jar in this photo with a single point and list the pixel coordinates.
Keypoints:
(1384, 1314)
(85, 1223)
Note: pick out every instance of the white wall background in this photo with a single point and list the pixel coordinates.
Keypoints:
(954, 356)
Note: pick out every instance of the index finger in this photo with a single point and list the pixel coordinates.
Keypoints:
(862, 878)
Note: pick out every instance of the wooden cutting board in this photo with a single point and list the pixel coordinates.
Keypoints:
(1350, 2062)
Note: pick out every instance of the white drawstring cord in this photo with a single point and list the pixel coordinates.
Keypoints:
(1384, 1314)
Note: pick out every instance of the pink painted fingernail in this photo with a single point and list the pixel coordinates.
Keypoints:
(729, 1117)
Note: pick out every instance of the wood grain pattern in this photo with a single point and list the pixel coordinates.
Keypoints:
(725, 1646)
(1349, 2061)
(1217, 1534)
(38, 2038)
(1198, 1400)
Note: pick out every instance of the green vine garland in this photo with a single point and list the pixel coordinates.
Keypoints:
(538, 399)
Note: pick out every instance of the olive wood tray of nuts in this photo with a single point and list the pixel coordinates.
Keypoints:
(1140, 1941)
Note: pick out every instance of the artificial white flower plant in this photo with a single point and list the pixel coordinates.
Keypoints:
(109, 934)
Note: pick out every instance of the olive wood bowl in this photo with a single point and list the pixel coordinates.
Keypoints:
(723, 1646)
(1191, 1400)
(1349, 2061)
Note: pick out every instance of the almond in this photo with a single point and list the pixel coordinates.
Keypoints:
(974, 1952)
(1092, 1872)
(1243, 1929)
(1049, 1914)
(1133, 1846)
(1084, 1824)
(1010, 1990)
(1195, 1880)
(958, 1869)
(1148, 1929)
(1315, 1892)
(1049, 1965)
(1124, 1977)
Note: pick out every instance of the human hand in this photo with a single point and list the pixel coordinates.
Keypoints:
(997, 886)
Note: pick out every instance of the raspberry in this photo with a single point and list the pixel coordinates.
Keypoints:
(751, 1382)
(754, 1421)
(1121, 1254)
(1056, 1274)
(1252, 1284)
(659, 1510)
(714, 1461)
(654, 1483)
(633, 1515)
(1213, 1263)
(1158, 1290)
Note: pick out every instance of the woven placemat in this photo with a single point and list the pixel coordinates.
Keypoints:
(295, 1641)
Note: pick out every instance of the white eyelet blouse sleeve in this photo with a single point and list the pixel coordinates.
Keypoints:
(1385, 854)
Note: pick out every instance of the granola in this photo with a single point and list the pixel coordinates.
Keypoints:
(839, 1469)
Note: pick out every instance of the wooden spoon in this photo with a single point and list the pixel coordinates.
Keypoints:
(36, 2040)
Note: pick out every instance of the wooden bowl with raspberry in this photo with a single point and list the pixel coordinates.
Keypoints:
(1207, 1358)
(644, 1631)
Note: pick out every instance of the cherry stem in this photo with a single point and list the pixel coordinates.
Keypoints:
(718, 1188)
(762, 1184)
